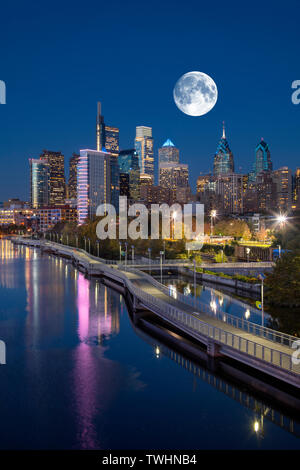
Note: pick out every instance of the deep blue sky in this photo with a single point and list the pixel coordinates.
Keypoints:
(59, 58)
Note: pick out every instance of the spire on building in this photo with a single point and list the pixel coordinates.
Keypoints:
(223, 136)
(168, 143)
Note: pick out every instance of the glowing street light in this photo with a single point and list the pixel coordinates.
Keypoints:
(281, 219)
(213, 215)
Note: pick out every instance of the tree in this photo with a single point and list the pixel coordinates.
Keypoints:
(289, 237)
(262, 234)
(233, 228)
(283, 284)
(220, 257)
(198, 259)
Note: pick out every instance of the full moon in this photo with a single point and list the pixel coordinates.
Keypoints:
(195, 93)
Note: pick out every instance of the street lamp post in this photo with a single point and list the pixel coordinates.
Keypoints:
(279, 251)
(84, 243)
(161, 255)
(164, 251)
(194, 261)
(76, 241)
(120, 251)
(212, 217)
(262, 277)
(149, 250)
(132, 253)
(98, 248)
(89, 245)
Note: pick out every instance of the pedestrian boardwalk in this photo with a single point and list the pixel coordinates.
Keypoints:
(260, 348)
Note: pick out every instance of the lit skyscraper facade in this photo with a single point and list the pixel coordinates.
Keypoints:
(56, 161)
(107, 140)
(229, 188)
(262, 160)
(173, 176)
(39, 183)
(72, 183)
(168, 153)
(100, 129)
(129, 165)
(144, 148)
(296, 188)
(112, 140)
(223, 160)
(282, 179)
(114, 180)
(93, 182)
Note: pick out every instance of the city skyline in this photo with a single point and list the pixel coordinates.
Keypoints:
(56, 111)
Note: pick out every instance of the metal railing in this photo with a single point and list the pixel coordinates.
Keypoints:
(194, 326)
(240, 323)
(234, 341)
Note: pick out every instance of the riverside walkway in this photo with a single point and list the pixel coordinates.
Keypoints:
(258, 347)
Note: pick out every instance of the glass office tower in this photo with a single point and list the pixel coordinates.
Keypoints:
(93, 182)
(144, 147)
(223, 160)
(56, 161)
(129, 165)
(168, 153)
(39, 183)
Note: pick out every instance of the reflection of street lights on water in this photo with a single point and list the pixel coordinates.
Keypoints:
(247, 313)
(157, 351)
(213, 305)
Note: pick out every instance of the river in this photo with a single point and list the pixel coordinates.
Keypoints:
(81, 375)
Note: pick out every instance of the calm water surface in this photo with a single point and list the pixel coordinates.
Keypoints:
(79, 375)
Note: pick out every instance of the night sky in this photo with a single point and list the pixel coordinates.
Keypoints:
(59, 58)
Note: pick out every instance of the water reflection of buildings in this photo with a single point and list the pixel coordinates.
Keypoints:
(10, 278)
(261, 409)
(94, 376)
(98, 310)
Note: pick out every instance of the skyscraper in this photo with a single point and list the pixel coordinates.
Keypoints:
(93, 182)
(296, 188)
(168, 153)
(112, 140)
(174, 176)
(229, 188)
(39, 183)
(100, 129)
(223, 160)
(129, 165)
(107, 140)
(144, 148)
(262, 160)
(56, 163)
(282, 179)
(72, 183)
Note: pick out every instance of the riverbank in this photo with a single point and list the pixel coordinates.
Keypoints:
(217, 279)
